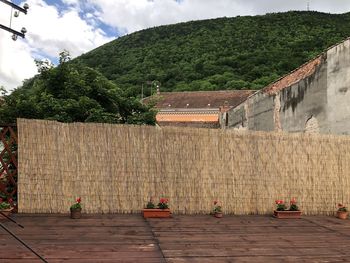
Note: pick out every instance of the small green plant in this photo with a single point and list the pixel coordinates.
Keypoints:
(217, 208)
(280, 205)
(5, 204)
(77, 204)
(293, 205)
(150, 204)
(163, 203)
(342, 208)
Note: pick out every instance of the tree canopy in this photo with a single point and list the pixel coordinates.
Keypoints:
(72, 93)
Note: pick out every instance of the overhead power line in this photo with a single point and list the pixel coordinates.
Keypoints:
(18, 9)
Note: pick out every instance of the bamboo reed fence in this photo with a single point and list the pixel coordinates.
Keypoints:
(117, 168)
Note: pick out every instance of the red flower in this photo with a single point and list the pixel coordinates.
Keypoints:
(293, 201)
(10, 200)
(340, 205)
(279, 202)
(163, 200)
(78, 200)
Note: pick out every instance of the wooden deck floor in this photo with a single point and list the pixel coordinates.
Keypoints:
(130, 238)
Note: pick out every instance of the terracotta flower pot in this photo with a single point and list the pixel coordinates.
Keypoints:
(287, 214)
(342, 214)
(218, 215)
(156, 213)
(6, 212)
(75, 213)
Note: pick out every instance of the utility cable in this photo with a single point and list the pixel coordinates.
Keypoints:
(18, 239)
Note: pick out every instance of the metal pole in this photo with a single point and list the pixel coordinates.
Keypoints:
(11, 30)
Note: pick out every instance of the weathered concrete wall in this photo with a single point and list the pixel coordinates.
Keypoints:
(261, 106)
(255, 114)
(314, 98)
(338, 91)
(304, 100)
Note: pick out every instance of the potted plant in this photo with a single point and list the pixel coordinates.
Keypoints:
(284, 213)
(75, 209)
(217, 210)
(162, 210)
(342, 212)
(150, 204)
(5, 207)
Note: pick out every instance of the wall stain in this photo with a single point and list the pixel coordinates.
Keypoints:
(292, 99)
(292, 96)
(343, 90)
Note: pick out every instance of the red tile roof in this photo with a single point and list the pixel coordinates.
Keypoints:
(200, 99)
(298, 74)
(295, 76)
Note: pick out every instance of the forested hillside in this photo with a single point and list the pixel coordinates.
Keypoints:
(224, 53)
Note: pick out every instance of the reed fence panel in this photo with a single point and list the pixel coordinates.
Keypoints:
(117, 168)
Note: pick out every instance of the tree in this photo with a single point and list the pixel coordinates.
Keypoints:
(73, 93)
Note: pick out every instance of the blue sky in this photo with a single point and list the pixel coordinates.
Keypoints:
(82, 25)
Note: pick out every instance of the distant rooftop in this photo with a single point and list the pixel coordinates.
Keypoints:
(302, 72)
(293, 77)
(200, 99)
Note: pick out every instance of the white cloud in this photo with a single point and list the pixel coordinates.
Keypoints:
(52, 28)
(133, 15)
(327, 6)
(16, 62)
(49, 32)
(139, 14)
(71, 2)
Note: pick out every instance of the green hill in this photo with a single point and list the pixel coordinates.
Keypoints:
(224, 53)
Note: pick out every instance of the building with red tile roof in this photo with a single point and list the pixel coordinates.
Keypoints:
(197, 108)
(314, 98)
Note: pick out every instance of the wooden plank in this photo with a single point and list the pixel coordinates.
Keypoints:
(130, 238)
(122, 238)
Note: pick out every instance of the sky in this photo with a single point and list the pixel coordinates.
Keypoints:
(82, 25)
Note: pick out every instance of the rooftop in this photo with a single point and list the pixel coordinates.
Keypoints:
(302, 72)
(295, 76)
(200, 99)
